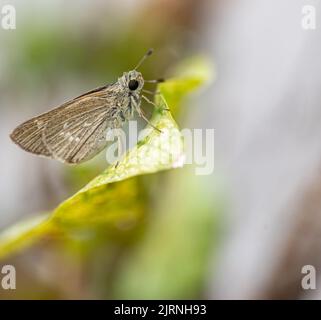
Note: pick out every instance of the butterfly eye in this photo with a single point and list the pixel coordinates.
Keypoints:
(133, 84)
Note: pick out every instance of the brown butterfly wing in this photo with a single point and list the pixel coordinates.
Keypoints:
(78, 132)
(29, 136)
(73, 132)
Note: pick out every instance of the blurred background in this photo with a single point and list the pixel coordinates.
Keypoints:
(245, 231)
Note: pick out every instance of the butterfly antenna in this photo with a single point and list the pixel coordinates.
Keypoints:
(146, 55)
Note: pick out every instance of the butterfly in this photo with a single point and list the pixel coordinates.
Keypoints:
(76, 131)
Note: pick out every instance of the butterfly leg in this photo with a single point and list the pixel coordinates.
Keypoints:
(155, 81)
(151, 102)
(142, 115)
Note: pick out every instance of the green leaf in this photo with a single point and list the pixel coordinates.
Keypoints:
(114, 198)
(23, 234)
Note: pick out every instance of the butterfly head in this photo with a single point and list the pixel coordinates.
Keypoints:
(132, 81)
